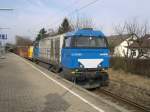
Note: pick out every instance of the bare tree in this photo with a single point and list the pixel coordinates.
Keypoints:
(135, 27)
(82, 22)
(132, 29)
(119, 29)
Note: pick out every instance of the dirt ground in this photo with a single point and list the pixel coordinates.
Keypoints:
(132, 86)
(132, 79)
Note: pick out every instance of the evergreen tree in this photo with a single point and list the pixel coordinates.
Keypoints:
(65, 27)
(41, 35)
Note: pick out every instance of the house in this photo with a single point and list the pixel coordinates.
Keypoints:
(142, 45)
(115, 40)
(121, 43)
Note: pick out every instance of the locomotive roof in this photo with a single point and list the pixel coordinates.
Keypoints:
(85, 32)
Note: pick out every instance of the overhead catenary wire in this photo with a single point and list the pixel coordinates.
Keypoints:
(6, 9)
(64, 9)
(85, 6)
(55, 23)
(74, 11)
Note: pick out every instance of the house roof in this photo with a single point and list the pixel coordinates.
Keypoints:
(117, 39)
(143, 42)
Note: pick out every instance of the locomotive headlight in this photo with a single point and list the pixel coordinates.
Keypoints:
(99, 65)
(81, 66)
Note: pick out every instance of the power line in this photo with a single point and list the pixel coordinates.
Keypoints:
(64, 9)
(72, 12)
(4, 28)
(75, 2)
(81, 8)
(6, 9)
(85, 6)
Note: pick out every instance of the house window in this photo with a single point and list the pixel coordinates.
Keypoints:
(133, 52)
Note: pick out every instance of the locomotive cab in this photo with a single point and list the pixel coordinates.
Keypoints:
(85, 57)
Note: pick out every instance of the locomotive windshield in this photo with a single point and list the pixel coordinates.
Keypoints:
(86, 42)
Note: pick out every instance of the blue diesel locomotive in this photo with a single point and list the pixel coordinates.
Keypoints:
(81, 56)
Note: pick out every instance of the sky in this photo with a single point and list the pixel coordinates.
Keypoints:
(29, 16)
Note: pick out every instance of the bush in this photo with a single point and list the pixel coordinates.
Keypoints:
(136, 66)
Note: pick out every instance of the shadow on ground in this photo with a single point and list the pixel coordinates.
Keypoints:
(55, 103)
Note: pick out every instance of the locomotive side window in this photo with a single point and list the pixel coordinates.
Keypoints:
(68, 42)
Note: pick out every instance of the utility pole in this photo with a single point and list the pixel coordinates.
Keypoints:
(3, 37)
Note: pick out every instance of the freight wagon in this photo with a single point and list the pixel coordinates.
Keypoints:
(25, 51)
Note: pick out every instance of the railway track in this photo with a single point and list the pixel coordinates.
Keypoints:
(127, 101)
(125, 83)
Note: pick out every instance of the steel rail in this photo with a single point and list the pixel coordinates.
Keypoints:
(127, 101)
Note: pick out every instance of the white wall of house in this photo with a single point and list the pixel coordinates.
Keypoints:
(121, 50)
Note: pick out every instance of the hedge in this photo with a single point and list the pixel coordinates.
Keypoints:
(135, 66)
